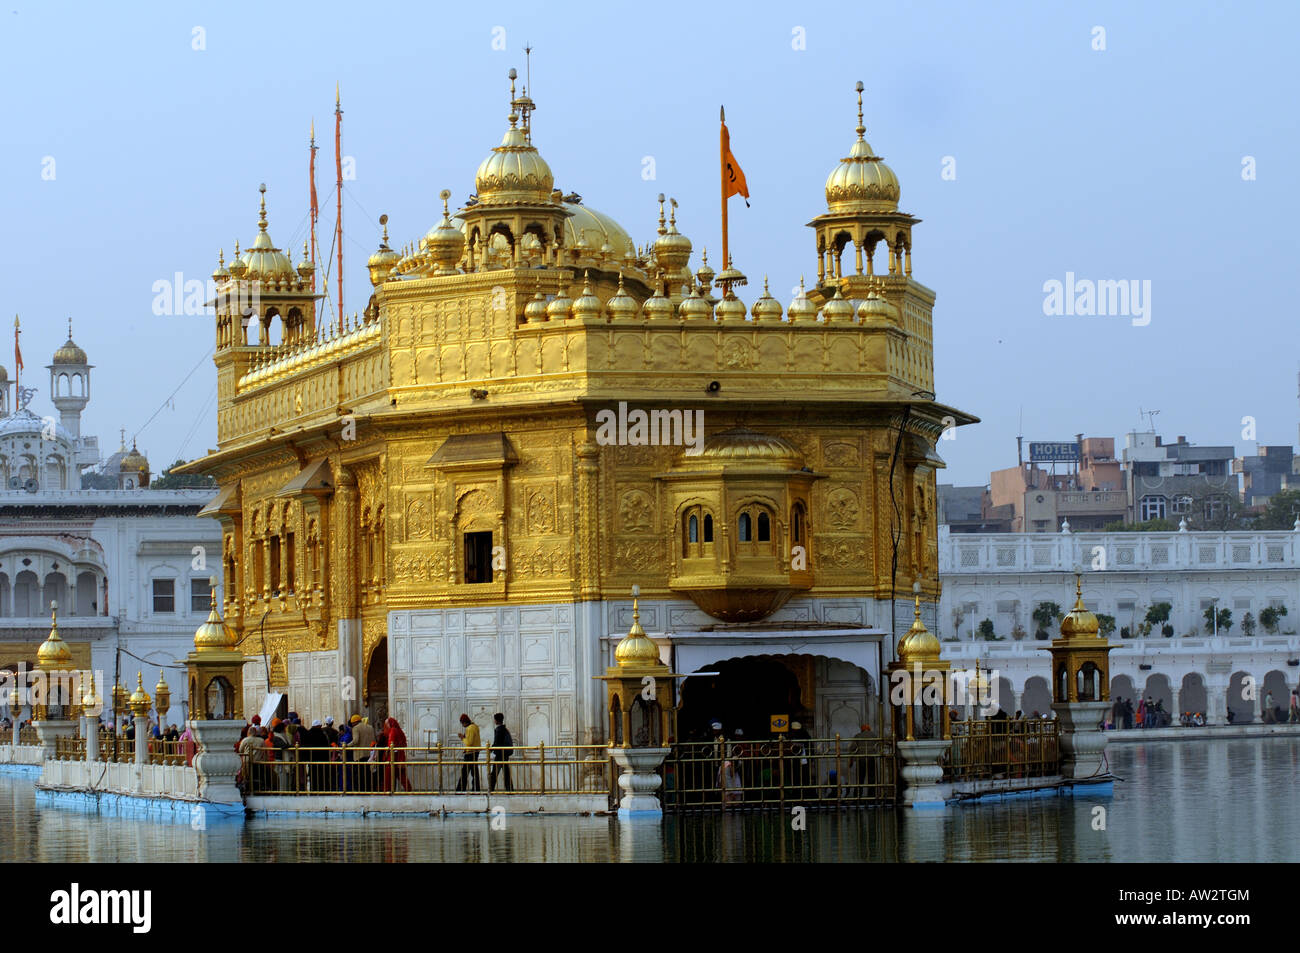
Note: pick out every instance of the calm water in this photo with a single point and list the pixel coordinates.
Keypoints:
(1180, 801)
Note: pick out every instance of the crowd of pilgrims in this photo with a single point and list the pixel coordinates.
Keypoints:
(374, 760)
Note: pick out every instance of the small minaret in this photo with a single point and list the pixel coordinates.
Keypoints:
(1081, 690)
(70, 384)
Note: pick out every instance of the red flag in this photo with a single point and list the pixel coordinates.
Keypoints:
(18, 352)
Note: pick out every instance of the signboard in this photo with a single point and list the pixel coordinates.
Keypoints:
(780, 724)
(1053, 452)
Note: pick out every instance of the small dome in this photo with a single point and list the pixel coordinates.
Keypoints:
(672, 248)
(705, 274)
(766, 308)
(743, 445)
(214, 635)
(535, 310)
(514, 172)
(4, 374)
(730, 308)
(588, 306)
(918, 644)
(54, 654)
(69, 353)
(657, 307)
(23, 422)
(237, 267)
(139, 700)
(838, 310)
(802, 307)
(636, 648)
(445, 243)
(695, 308)
(874, 308)
(1080, 623)
(263, 261)
(862, 183)
(133, 462)
(305, 266)
(220, 272)
(622, 306)
(559, 307)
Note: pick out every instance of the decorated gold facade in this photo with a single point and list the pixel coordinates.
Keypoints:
(445, 448)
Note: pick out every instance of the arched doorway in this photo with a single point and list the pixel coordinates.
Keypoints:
(827, 696)
(377, 683)
(1037, 697)
(1193, 697)
(1274, 684)
(1243, 698)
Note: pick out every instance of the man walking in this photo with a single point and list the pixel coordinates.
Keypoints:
(501, 745)
(472, 742)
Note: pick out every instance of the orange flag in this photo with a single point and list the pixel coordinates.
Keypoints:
(733, 178)
(18, 351)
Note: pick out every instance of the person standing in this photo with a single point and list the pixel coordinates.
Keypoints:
(472, 741)
(363, 739)
(501, 745)
(1295, 707)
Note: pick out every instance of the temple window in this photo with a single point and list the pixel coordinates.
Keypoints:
(164, 595)
(478, 557)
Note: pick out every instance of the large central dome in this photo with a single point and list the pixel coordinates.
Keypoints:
(514, 172)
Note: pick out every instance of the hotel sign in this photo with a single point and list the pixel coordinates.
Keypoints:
(1053, 452)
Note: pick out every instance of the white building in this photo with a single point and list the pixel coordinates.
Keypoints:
(1002, 577)
(128, 567)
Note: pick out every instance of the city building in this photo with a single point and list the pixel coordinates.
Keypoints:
(969, 509)
(443, 506)
(1089, 491)
(1267, 472)
(1172, 480)
(128, 568)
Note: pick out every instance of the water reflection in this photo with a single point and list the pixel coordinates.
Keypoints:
(1199, 801)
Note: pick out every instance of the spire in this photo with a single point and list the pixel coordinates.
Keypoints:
(862, 129)
(514, 115)
(662, 229)
(261, 214)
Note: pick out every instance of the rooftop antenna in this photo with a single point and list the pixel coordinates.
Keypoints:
(1020, 438)
(1151, 418)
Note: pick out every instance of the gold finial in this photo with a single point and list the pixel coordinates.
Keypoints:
(765, 291)
(221, 257)
(1078, 589)
(336, 94)
(445, 194)
(514, 116)
(236, 247)
(54, 613)
(313, 130)
(636, 608)
(261, 215)
(861, 128)
(662, 229)
(620, 281)
(672, 215)
(916, 592)
(15, 321)
(69, 328)
(704, 257)
(383, 221)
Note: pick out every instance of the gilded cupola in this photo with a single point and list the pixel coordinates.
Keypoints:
(54, 654)
(69, 353)
(636, 648)
(262, 261)
(861, 182)
(1079, 623)
(918, 646)
(515, 172)
(214, 635)
(445, 243)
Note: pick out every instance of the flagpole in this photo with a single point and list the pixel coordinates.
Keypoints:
(18, 364)
(338, 169)
(315, 209)
(722, 164)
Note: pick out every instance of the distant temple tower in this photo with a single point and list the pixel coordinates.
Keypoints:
(70, 384)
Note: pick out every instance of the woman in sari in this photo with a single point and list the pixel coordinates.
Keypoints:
(395, 766)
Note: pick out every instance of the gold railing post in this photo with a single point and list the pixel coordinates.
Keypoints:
(541, 748)
(838, 779)
(780, 771)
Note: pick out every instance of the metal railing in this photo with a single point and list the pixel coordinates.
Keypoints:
(830, 772)
(537, 769)
(1003, 749)
(70, 749)
(28, 736)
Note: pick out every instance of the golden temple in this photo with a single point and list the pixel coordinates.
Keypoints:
(423, 512)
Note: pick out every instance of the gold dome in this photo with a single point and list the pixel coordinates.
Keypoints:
(874, 309)
(696, 307)
(672, 249)
(305, 266)
(535, 310)
(598, 230)
(802, 307)
(1079, 623)
(220, 272)
(741, 445)
(514, 173)
(918, 644)
(237, 267)
(862, 182)
(588, 305)
(90, 699)
(838, 310)
(214, 635)
(622, 306)
(139, 700)
(54, 654)
(69, 353)
(636, 649)
(705, 273)
(766, 308)
(133, 462)
(381, 263)
(263, 261)
(657, 307)
(559, 307)
(445, 243)
(730, 308)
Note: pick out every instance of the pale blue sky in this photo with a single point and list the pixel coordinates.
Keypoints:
(1117, 164)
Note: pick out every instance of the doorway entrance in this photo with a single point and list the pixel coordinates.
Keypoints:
(377, 684)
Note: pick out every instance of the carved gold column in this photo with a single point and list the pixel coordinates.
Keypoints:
(343, 568)
(588, 520)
